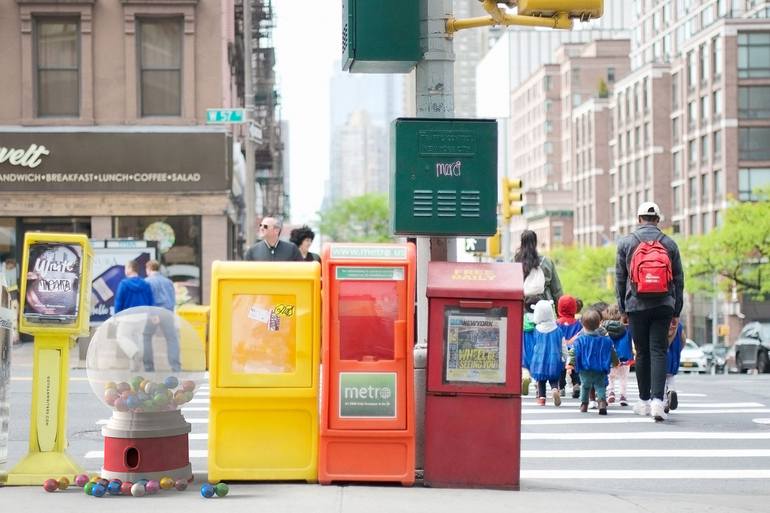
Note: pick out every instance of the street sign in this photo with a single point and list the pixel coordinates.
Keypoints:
(224, 116)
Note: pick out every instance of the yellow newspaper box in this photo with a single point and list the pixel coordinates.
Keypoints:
(54, 303)
(191, 358)
(264, 371)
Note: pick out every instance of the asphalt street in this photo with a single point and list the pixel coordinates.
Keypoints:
(712, 454)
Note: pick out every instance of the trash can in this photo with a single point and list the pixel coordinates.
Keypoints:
(473, 398)
(6, 334)
(198, 317)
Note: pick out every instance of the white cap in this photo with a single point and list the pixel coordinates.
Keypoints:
(648, 208)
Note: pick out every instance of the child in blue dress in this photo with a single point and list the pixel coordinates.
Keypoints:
(545, 363)
(676, 339)
(592, 358)
(527, 342)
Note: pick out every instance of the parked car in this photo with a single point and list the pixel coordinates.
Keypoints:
(715, 355)
(693, 358)
(753, 347)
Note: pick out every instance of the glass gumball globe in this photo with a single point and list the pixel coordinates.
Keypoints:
(145, 359)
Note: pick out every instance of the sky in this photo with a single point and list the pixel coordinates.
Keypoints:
(307, 39)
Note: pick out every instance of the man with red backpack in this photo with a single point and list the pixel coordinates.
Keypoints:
(649, 286)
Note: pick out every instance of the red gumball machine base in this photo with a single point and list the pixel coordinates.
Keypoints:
(146, 445)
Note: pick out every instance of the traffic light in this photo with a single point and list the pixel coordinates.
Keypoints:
(583, 9)
(493, 245)
(512, 197)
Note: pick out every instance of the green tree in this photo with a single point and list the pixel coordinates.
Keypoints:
(604, 92)
(360, 219)
(738, 252)
(587, 273)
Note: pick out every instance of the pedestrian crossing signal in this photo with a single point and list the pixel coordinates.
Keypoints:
(512, 198)
(583, 9)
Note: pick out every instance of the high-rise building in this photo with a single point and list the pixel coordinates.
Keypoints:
(469, 48)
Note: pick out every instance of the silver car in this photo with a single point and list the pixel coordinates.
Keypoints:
(753, 347)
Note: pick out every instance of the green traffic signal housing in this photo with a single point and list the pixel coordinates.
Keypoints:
(512, 198)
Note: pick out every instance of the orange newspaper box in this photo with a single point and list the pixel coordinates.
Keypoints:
(367, 407)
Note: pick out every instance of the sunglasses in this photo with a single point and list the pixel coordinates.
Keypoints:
(265, 226)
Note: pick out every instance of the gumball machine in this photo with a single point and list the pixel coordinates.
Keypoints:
(134, 368)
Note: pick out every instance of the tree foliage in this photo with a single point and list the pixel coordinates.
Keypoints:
(584, 272)
(738, 252)
(360, 219)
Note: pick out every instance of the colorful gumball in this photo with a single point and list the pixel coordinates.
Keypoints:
(152, 486)
(221, 489)
(99, 490)
(207, 491)
(110, 384)
(50, 485)
(104, 482)
(138, 490)
(136, 382)
(180, 397)
(166, 483)
(120, 404)
(89, 488)
(125, 487)
(64, 483)
(171, 382)
(188, 385)
(114, 487)
(133, 402)
(81, 480)
(95, 479)
(123, 387)
(181, 485)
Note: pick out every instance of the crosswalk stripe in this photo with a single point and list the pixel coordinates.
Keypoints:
(198, 436)
(199, 401)
(195, 453)
(652, 435)
(647, 453)
(603, 420)
(613, 411)
(690, 473)
(194, 408)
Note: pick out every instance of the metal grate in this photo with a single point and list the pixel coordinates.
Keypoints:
(446, 203)
(470, 204)
(422, 203)
(345, 38)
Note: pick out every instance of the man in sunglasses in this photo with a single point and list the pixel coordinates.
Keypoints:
(271, 248)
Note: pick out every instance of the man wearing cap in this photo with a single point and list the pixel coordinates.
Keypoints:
(649, 315)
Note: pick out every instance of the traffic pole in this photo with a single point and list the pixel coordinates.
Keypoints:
(249, 187)
(434, 92)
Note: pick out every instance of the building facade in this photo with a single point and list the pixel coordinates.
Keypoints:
(103, 120)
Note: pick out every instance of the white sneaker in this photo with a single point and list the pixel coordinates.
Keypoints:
(556, 396)
(642, 408)
(658, 410)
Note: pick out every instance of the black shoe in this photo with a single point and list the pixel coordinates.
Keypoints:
(575, 392)
(673, 400)
(602, 407)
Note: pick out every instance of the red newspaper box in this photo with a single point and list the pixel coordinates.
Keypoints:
(473, 401)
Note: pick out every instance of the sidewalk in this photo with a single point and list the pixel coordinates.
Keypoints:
(309, 498)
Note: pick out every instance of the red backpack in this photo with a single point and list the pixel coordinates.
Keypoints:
(650, 268)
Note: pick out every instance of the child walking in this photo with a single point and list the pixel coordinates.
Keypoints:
(569, 326)
(621, 341)
(592, 358)
(527, 342)
(673, 357)
(545, 362)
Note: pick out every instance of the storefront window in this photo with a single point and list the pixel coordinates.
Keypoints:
(179, 247)
(8, 260)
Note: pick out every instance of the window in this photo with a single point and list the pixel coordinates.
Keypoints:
(716, 57)
(718, 219)
(718, 187)
(637, 137)
(182, 260)
(548, 127)
(754, 102)
(704, 109)
(749, 180)
(691, 69)
(703, 54)
(647, 134)
(704, 149)
(675, 91)
(754, 54)
(677, 165)
(675, 130)
(717, 144)
(716, 103)
(694, 224)
(547, 82)
(548, 147)
(677, 198)
(636, 98)
(160, 66)
(753, 143)
(704, 188)
(691, 114)
(576, 100)
(57, 52)
(610, 75)
(692, 153)
(705, 222)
